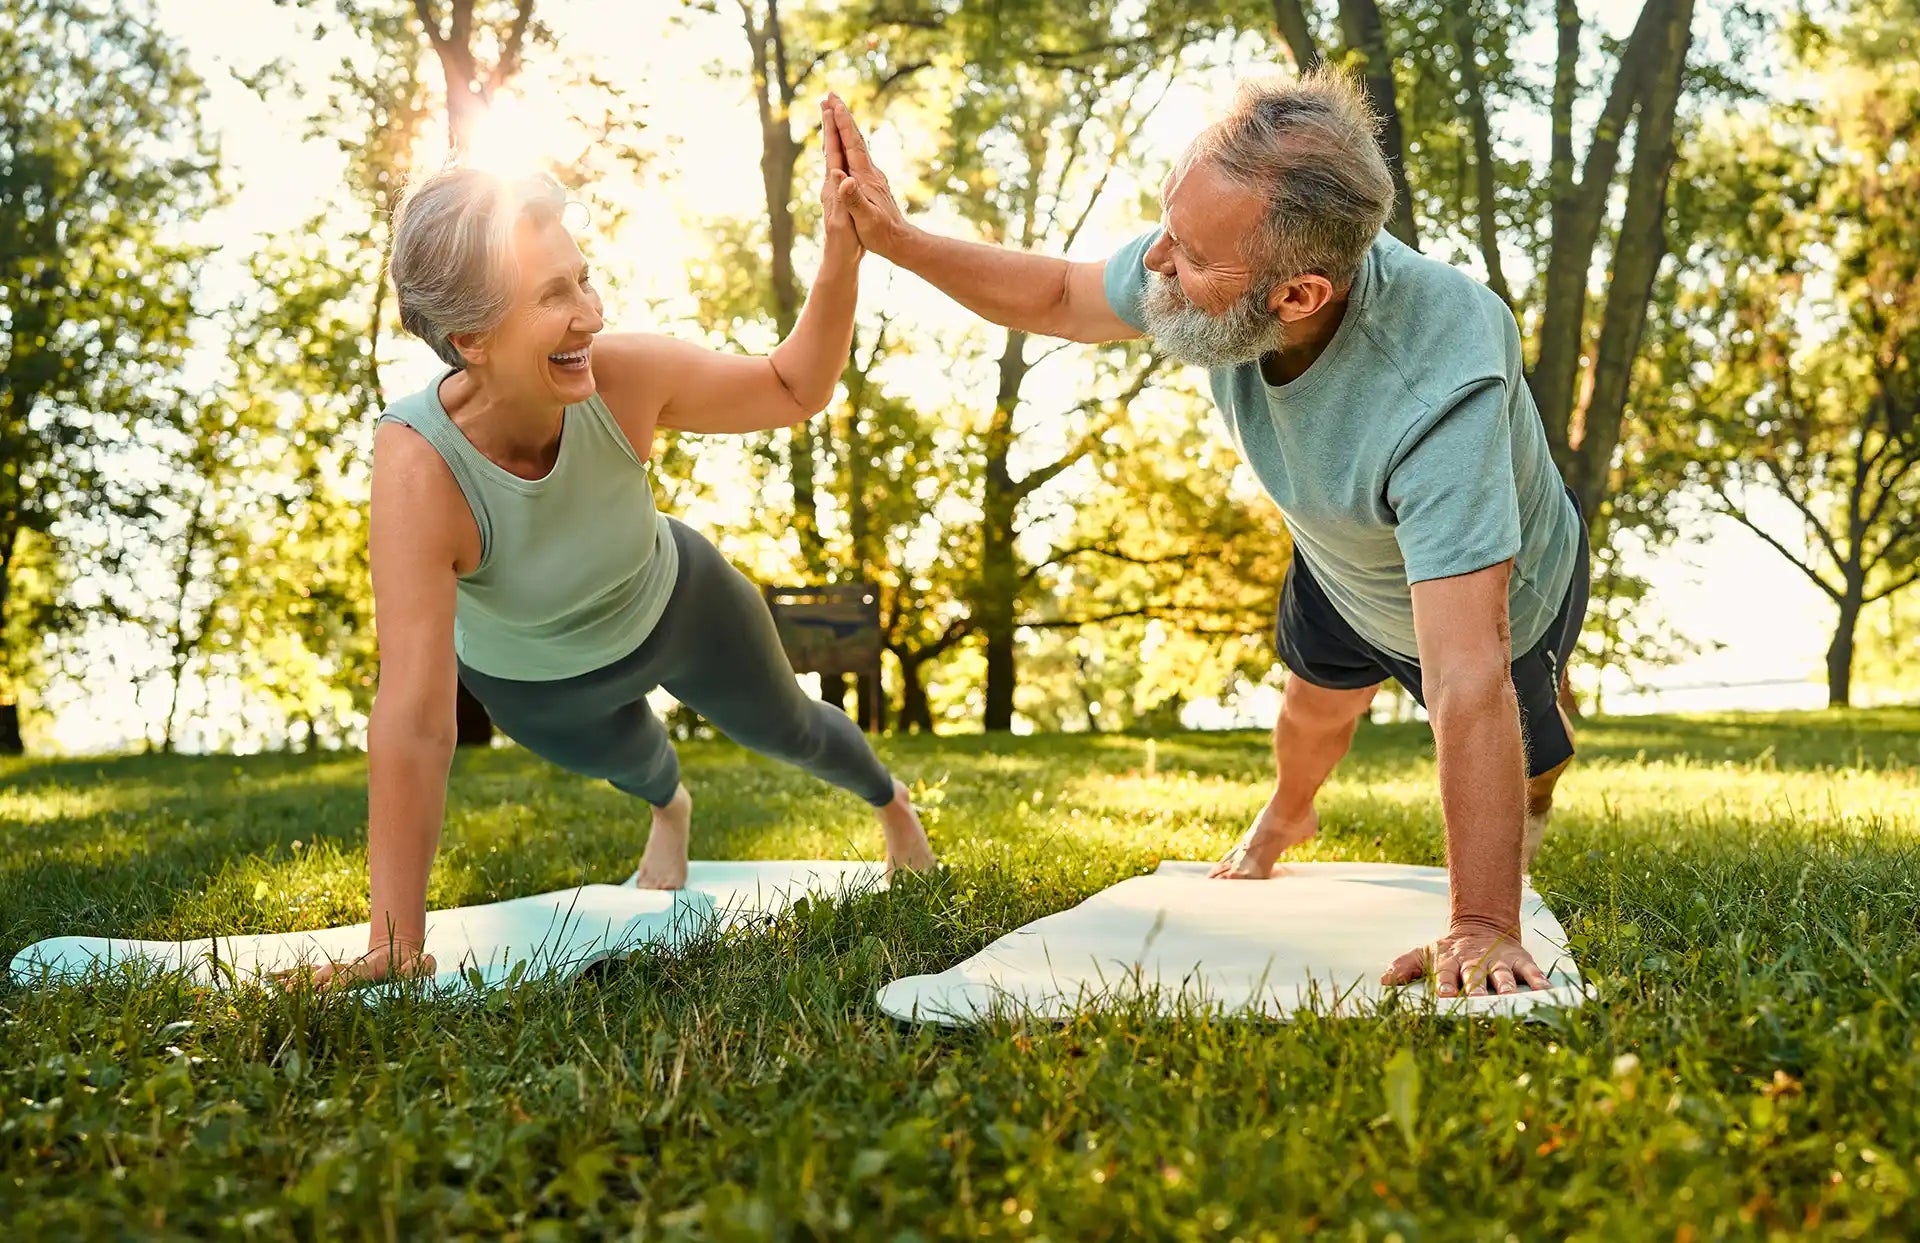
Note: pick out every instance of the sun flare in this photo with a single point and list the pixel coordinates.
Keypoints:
(515, 137)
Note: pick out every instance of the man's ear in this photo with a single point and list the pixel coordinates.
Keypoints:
(1300, 297)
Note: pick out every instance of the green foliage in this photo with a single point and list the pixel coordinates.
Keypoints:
(1804, 321)
(103, 163)
(1737, 892)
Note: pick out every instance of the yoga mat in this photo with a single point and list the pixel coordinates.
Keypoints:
(548, 935)
(1315, 936)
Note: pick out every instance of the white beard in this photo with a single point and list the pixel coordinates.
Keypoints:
(1243, 333)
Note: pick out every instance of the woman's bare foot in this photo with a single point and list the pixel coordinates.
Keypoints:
(1271, 836)
(907, 845)
(664, 865)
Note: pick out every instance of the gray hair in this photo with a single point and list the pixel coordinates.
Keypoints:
(1309, 147)
(453, 266)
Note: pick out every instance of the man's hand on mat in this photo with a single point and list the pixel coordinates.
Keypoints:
(906, 838)
(1473, 959)
(865, 192)
(390, 960)
(1254, 856)
(663, 865)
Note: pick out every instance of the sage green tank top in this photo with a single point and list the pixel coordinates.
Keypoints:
(575, 568)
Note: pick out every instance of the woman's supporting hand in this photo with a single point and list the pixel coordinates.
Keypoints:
(384, 960)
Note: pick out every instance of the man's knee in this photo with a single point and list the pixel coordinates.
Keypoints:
(1540, 789)
(1321, 709)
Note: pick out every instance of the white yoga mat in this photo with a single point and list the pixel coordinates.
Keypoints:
(1316, 937)
(548, 935)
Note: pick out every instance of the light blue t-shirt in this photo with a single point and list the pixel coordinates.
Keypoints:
(1410, 450)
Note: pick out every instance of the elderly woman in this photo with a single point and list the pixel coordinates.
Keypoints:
(515, 543)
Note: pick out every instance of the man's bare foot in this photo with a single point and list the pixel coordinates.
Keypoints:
(907, 845)
(664, 865)
(1271, 836)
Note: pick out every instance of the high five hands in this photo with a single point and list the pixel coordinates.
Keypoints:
(862, 197)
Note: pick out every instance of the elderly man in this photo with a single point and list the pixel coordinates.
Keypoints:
(1380, 399)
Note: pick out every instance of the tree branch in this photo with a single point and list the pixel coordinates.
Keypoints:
(898, 76)
(1785, 487)
(1060, 556)
(512, 51)
(429, 19)
(1733, 511)
(1897, 584)
(1069, 623)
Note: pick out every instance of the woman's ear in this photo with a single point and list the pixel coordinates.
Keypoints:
(471, 345)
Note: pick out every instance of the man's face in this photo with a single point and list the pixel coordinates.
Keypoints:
(1205, 304)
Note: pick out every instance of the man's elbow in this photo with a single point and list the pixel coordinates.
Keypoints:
(409, 722)
(1470, 685)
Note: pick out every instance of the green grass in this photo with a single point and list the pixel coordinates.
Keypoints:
(1743, 894)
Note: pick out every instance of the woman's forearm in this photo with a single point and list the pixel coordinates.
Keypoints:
(810, 360)
(406, 802)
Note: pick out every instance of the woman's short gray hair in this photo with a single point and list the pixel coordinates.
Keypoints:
(1309, 147)
(453, 265)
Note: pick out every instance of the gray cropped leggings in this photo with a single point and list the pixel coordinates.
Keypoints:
(715, 649)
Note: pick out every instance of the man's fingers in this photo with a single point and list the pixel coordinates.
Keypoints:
(1533, 975)
(852, 142)
(1503, 981)
(1407, 968)
(848, 192)
(1447, 976)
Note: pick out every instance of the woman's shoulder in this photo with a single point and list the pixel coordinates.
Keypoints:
(414, 408)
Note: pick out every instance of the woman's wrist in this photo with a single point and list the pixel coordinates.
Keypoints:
(843, 250)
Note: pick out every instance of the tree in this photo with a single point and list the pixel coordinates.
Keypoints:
(101, 161)
(1030, 148)
(1806, 318)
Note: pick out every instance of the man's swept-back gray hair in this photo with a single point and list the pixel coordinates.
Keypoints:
(1308, 146)
(452, 264)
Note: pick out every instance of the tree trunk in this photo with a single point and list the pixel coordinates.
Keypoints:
(1291, 21)
(10, 741)
(1637, 253)
(916, 714)
(1840, 651)
(996, 597)
(1578, 211)
(773, 95)
(1366, 37)
(870, 705)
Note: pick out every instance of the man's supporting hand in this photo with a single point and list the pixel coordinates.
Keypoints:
(1472, 959)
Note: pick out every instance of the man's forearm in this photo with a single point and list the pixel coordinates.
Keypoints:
(1483, 795)
(1027, 293)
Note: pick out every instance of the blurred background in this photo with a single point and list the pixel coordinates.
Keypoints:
(1703, 215)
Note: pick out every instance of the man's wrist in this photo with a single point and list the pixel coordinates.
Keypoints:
(1464, 922)
(906, 247)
